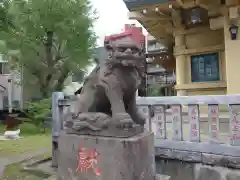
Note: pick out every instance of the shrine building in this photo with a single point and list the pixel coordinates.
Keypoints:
(201, 38)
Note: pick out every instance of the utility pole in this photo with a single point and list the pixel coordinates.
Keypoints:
(21, 86)
(10, 93)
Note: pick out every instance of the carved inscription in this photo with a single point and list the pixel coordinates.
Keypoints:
(193, 114)
(177, 123)
(87, 160)
(159, 122)
(213, 114)
(234, 124)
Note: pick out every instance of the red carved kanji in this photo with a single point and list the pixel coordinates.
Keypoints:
(87, 159)
(194, 133)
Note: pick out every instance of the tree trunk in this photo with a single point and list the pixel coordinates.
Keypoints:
(61, 79)
(44, 91)
(48, 45)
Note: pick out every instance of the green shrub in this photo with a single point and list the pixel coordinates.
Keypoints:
(38, 111)
(26, 129)
(155, 90)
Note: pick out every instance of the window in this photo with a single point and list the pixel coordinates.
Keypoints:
(205, 67)
(1, 68)
(4, 69)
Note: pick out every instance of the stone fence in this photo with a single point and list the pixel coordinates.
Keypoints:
(189, 140)
(178, 135)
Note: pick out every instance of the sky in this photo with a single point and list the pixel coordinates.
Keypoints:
(112, 14)
(112, 17)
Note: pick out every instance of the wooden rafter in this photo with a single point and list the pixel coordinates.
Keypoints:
(166, 25)
(180, 2)
(159, 22)
(166, 40)
(156, 21)
(209, 5)
(186, 4)
(176, 18)
(140, 16)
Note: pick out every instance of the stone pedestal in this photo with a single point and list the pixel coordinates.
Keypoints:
(92, 157)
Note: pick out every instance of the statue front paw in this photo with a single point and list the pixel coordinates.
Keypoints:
(123, 120)
(140, 120)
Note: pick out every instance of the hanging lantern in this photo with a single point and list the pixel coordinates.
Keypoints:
(195, 16)
(233, 31)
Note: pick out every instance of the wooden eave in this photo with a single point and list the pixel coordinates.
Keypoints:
(162, 18)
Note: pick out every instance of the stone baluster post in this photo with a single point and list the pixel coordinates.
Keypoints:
(57, 113)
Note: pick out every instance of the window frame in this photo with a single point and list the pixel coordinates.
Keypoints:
(2, 68)
(205, 62)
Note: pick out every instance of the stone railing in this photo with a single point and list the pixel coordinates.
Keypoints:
(181, 135)
(177, 132)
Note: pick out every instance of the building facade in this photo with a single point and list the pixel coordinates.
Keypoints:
(131, 33)
(204, 38)
(160, 81)
(9, 86)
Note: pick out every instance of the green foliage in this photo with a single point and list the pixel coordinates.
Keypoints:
(27, 128)
(5, 18)
(154, 90)
(38, 111)
(51, 39)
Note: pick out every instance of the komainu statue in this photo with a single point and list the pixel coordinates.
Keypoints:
(107, 101)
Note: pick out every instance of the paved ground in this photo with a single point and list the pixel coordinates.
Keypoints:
(15, 159)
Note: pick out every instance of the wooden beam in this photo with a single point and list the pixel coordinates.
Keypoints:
(158, 35)
(161, 24)
(167, 26)
(212, 5)
(216, 23)
(140, 16)
(186, 5)
(154, 28)
(233, 12)
(232, 2)
(176, 18)
(180, 2)
(166, 40)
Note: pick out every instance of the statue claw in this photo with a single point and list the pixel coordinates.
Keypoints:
(123, 120)
(140, 120)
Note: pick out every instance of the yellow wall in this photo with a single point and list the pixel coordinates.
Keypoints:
(232, 51)
(203, 38)
(200, 41)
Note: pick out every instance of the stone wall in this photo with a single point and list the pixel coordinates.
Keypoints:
(179, 170)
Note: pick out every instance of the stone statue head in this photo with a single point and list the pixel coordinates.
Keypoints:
(129, 54)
